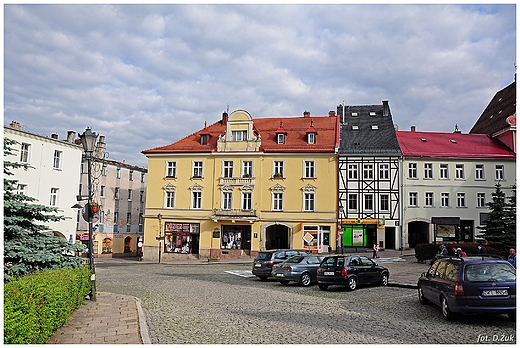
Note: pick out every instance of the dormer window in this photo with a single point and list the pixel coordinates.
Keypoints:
(204, 135)
(239, 135)
(311, 134)
(280, 134)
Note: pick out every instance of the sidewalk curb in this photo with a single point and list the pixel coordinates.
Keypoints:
(404, 286)
(143, 326)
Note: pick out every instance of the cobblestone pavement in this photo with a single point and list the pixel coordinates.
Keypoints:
(204, 303)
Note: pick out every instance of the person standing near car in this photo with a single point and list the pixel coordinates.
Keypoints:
(444, 250)
(461, 253)
(374, 251)
(481, 249)
(512, 257)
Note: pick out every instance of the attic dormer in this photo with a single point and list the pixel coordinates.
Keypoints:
(240, 134)
(311, 133)
(281, 133)
(204, 135)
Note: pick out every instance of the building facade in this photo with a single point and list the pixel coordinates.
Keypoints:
(54, 177)
(120, 190)
(447, 180)
(369, 180)
(242, 185)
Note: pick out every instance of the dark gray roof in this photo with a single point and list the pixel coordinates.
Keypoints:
(367, 130)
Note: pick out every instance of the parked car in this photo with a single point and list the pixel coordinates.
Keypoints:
(300, 268)
(475, 284)
(350, 270)
(264, 261)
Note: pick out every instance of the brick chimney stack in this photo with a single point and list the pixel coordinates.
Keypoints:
(386, 108)
(15, 125)
(224, 117)
(412, 128)
(70, 137)
(332, 113)
(306, 114)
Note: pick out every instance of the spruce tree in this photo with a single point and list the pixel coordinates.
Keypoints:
(499, 229)
(29, 246)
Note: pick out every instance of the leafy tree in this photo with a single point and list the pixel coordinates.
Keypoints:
(28, 245)
(500, 227)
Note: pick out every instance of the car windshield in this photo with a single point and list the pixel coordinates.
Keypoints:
(264, 256)
(294, 259)
(490, 272)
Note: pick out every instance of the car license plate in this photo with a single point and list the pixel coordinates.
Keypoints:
(328, 273)
(280, 275)
(258, 265)
(494, 293)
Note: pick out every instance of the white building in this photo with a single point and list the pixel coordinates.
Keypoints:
(55, 175)
(447, 180)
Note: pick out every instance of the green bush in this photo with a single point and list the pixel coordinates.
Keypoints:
(36, 306)
(425, 252)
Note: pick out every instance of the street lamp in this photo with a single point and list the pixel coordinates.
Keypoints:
(88, 140)
(159, 216)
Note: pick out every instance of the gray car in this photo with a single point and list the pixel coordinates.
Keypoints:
(299, 268)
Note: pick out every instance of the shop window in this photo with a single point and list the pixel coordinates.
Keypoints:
(180, 237)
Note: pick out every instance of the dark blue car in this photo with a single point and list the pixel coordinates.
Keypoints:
(470, 285)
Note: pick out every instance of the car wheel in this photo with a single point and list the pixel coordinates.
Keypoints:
(284, 282)
(323, 286)
(305, 279)
(422, 299)
(446, 313)
(351, 284)
(263, 277)
(384, 279)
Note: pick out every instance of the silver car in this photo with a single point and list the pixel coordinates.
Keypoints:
(299, 268)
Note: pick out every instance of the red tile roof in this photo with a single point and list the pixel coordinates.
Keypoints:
(295, 140)
(451, 145)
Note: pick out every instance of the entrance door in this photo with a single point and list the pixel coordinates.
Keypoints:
(277, 237)
(417, 233)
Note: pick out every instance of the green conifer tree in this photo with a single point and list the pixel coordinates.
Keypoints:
(499, 229)
(28, 245)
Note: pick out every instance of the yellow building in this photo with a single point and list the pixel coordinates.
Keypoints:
(240, 186)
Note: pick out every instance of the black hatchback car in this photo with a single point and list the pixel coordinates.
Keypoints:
(264, 261)
(467, 285)
(350, 270)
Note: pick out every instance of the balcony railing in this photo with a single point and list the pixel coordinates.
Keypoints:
(234, 213)
(237, 181)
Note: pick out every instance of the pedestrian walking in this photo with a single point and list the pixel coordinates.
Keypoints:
(481, 249)
(374, 251)
(512, 257)
(461, 253)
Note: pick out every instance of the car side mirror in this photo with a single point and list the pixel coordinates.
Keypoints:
(425, 274)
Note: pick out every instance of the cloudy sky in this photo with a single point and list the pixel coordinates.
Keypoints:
(146, 76)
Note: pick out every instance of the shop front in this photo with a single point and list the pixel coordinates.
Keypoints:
(359, 233)
(452, 229)
(181, 238)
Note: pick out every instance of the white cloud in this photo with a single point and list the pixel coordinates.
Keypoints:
(148, 75)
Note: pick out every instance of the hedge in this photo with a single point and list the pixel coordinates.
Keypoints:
(425, 252)
(37, 305)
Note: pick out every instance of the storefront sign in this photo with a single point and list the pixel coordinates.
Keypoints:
(359, 221)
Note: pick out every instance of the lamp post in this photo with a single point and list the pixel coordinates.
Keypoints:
(88, 140)
(159, 216)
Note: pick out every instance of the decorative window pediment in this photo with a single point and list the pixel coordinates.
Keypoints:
(309, 188)
(170, 187)
(226, 188)
(247, 188)
(277, 188)
(196, 188)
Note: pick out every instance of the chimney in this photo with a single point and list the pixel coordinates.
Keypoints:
(306, 114)
(332, 113)
(457, 130)
(70, 137)
(54, 136)
(386, 109)
(101, 146)
(412, 128)
(224, 118)
(15, 125)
